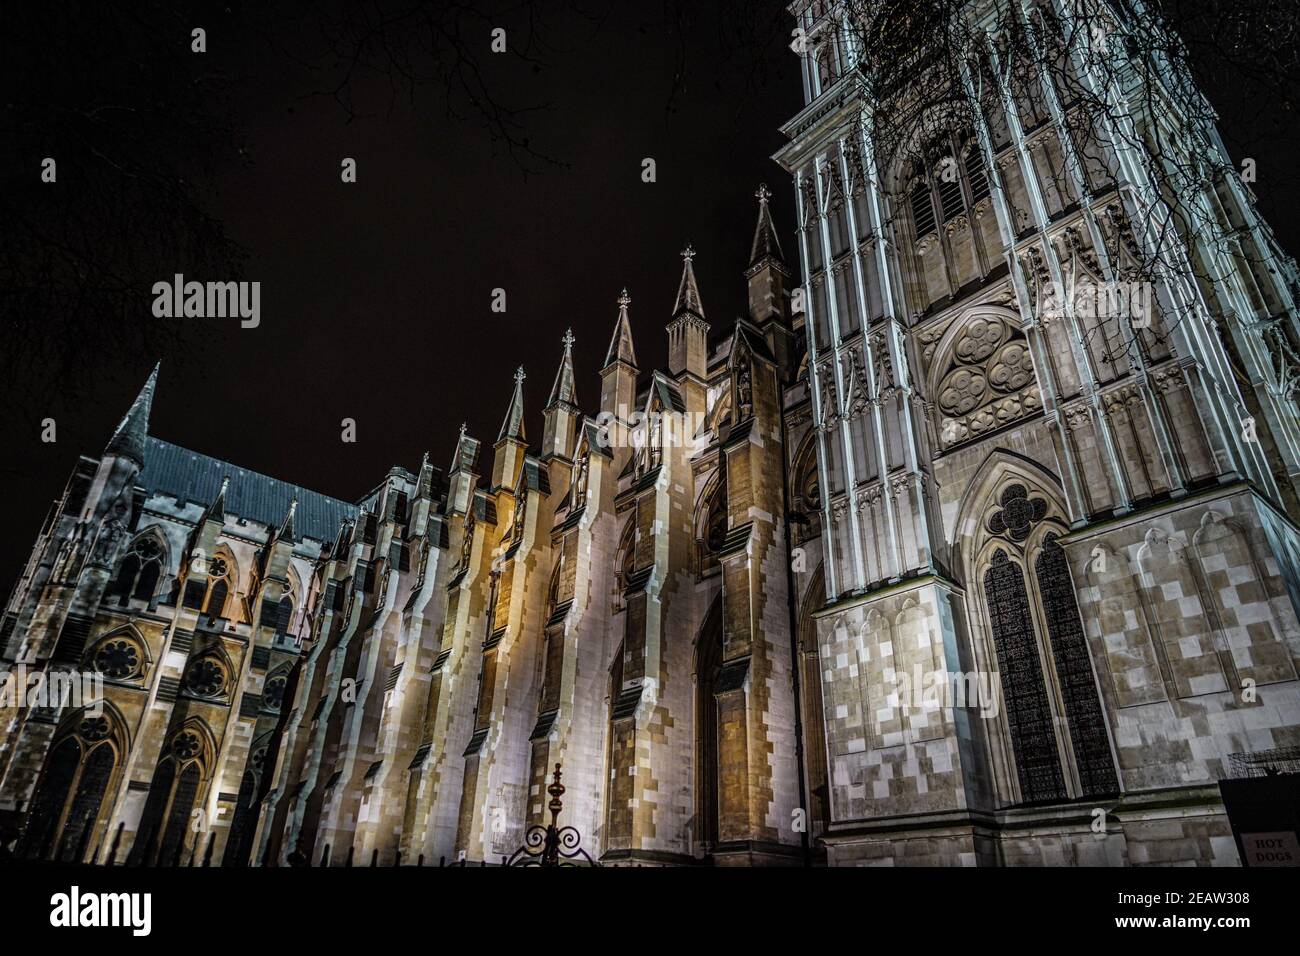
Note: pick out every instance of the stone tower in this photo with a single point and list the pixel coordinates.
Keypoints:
(1084, 538)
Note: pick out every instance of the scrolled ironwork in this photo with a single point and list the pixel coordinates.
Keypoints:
(552, 844)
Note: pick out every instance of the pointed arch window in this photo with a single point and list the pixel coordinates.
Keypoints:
(950, 182)
(1074, 671)
(1042, 655)
(140, 570)
(164, 823)
(219, 575)
(1024, 695)
(70, 795)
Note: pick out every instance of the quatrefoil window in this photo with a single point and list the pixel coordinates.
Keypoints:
(147, 549)
(217, 567)
(1018, 513)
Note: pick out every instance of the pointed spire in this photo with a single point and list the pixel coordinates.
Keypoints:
(620, 346)
(128, 439)
(766, 244)
(217, 509)
(424, 482)
(513, 426)
(286, 527)
(688, 292)
(564, 390)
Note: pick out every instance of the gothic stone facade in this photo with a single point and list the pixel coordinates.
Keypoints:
(291, 678)
(699, 595)
(1001, 494)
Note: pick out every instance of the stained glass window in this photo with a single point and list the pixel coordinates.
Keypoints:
(1024, 693)
(1074, 671)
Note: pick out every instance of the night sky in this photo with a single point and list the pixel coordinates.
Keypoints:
(376, 295)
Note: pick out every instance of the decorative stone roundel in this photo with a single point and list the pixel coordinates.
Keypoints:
(962, 391)
(186, 745)
(980, 340)
(1013, 368)
(1018, 513)
(217, 567)
(205, 677)
(118, 659)
(93, 729)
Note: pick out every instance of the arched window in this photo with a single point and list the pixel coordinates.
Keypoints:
(120, 655)
(66, 805)
(236, 852)
(219, 575)
(1024, 693)
(712, 525)
(164, 824)
(626, 561)
(806, 508)
(140, 569)
(949, 181)
(1041, 653)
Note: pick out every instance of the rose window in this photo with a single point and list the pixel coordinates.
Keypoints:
(205, 678)
(217, 567)
(1018, 513)
(273, 693)
(118, 659)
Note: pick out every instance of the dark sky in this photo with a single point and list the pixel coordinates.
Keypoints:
(376, 295)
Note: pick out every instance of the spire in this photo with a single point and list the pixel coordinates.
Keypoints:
(688, 293)
(424, 482)
(564, 390)
(128, 439)
(620, 346)
(286, 527)
(217, 510)
(513, 426)
(766, 244)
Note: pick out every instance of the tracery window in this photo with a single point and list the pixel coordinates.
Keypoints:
(273, 691)
(1038, 641)
(119, 656)
(72, 788)
(806, 510)
(140, 570)
(983, 379)
(164, 823)
(206, 676)
(219, 587)
(711, 525)
(947, 183)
